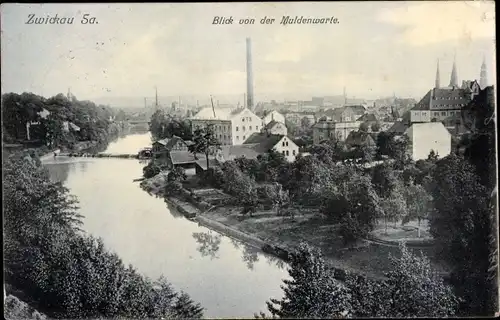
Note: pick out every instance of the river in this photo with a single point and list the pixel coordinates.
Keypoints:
(228, 278)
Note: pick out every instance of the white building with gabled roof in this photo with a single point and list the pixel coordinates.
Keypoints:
(428, 136)
(231, 126)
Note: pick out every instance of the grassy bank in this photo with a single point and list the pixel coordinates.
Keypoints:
(265, 229)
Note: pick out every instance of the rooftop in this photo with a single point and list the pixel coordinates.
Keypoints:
(182, 157)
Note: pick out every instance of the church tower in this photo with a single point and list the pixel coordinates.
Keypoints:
(483, 78)
(437, 83)
(453, 79)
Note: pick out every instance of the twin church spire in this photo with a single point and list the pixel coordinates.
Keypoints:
(483, 82)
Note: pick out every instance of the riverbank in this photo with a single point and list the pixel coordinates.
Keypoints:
(278, 235)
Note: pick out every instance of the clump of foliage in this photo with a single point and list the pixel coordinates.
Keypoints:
(150, 170)
(93, 120)
(66, 273)
(174, 180)
(411, 289)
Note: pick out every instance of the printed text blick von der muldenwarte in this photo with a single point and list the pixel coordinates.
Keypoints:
(285, 20)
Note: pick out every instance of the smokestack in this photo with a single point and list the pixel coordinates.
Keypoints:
(249, 75)
(156, 98)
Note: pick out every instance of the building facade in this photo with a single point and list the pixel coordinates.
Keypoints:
(273, 115)
(287, 147)
(444, 104)
(324, 130)
(244, 123)
(275, 127)
(428, 136)
(231, 126)
(222, 129)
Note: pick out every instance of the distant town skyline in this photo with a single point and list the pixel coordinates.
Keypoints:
(376, 50)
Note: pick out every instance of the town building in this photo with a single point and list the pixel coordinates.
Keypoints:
(164, 146)
(259, 144)
(218, 119)
(356, 139)
(343, 114)
(296, 117)
(231, 126)
(326, 129)
(428, 136)
(445, 103)
(275, 127)
(273, 115)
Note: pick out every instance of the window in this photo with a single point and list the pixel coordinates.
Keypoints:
(237, 138)
(452, 113)
(250, 119)
(243, 128)
(242, 119)
(225, 137)
(287, 145)
(244, 138)
(436, 113)
(250, 128)
(256, 127)
(236, 128)
(293, 152)
(287, 153)
(443, 113)
(283, 152)
(283, 144)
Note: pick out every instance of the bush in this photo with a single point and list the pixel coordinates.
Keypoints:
(150, 170)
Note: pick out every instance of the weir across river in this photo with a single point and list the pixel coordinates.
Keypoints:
(102, 155)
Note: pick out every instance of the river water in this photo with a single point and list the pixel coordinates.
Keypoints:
(228, 278)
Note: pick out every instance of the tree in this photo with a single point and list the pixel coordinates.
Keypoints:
(54, 264)
(461, 224)
(247, 194)
(177, 174)
(384, 179)
(376, 126)
(364, 127)
(419, 203)
(399, 150)
(384, 140)
(281, 198)
(394, 207)
(174, 180)
(241, 186)
(415, 290)
(269, 165)
(305, 122)
(204, 141)
(433, 156)
(150, 170)
(411, 289)
(311, 292)
(364, 208)
(479, 117)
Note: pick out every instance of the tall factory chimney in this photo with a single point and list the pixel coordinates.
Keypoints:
(249, 75)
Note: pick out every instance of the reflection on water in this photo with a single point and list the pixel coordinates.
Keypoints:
(209, 243)
(149, 234)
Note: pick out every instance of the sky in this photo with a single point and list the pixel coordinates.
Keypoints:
(377, 49)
